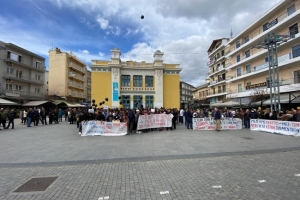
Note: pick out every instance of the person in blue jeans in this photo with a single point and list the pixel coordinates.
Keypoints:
(29, 117)
(247, 119)
(189, 116)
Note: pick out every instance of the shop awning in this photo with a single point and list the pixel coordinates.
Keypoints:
(34, 103)
(284, 98)
(6, 102)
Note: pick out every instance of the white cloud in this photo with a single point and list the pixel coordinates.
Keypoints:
(101, 54)
(84, 51)
(104, 24)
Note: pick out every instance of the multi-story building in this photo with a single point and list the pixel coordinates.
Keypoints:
(22, 74)
(88, 85)
(131, 84)
(247, 69)
(217, 73)
(46, 88)
(186, 94)
(67, 76)
(200, 94)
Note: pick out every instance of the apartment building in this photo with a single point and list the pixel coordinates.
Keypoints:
(200, 94)
(22, 74)
(88, 85)
(130, 84)
(67, 76)
(217, 72)
(247, 68)
(186, 94)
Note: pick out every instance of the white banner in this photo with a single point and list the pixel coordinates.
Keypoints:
(275, 126)
(210, 124)
(91, 128)
(154, 121)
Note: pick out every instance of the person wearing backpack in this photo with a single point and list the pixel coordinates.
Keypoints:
(11, 118)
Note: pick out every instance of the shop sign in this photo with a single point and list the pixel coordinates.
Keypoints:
(256, 85)
(12, 95)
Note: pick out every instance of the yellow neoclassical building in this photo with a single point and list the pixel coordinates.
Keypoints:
(130, 84)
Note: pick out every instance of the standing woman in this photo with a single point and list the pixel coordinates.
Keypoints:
(24, 116)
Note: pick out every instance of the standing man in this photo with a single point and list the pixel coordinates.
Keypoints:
(296, 116)
(29, 117)
(43, 116)
(11, 118)
(181, 116)
(189, 117)
(217, 117)
(3, 118)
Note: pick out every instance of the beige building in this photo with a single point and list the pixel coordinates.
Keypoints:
(22, 74)
(67, 76)
(88, 85)
(248, 68)
(217, 72)
(246, 71)
(200, 94)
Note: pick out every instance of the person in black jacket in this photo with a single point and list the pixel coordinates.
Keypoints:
(11, 118)
(29, 117)
(189, 117)
(253, 114)
(217, 117)
(131, 120)
(296, 116)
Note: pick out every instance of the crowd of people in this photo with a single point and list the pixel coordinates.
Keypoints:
(39, 115)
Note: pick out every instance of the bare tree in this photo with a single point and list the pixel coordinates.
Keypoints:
(259, 94)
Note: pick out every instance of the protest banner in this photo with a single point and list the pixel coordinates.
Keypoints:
(154, 121)
(91, 128)
(275, 126)
(210, 124)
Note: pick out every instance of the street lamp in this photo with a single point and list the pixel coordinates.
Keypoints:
(271, 42)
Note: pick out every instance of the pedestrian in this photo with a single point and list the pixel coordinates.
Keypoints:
(43, 116)
(131, 119)
(189, 118)
(60, 114)
(11, 117)
(181, 116)
(247, 119)
(21, 115)
(36, 117)
(24, 116)
(29, 117)
(296, 116)
(217, 117)
(3, 117)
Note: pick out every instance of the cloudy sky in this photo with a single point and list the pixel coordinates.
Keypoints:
(182, 29)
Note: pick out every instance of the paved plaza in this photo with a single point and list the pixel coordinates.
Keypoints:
(178, 164)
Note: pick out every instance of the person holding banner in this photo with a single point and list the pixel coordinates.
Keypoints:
(217, 117)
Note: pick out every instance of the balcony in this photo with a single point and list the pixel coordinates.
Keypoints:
(137, 89)
(23, 64)
(282, 61)
(75, 85)
(217, 82)
(21, 93)
(77, 68)
(76, 94)
(259, 34)
(216, 93)
(23, 79)
(220, 69)
(76, 76)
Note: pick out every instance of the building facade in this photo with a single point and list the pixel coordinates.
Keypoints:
(130, 84)
(88, 85)
(22, 74)
(239, 71)
(217, 72)
(186, 94)
(67, 76)
(247, 68)
(200, 94)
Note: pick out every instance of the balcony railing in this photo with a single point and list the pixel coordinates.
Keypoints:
(221, 68)
(76, 85)
(259, 67)
(78, 77)
(261, 31)
(81, 69)
(23, 78)
(28, 64)
(137, 89)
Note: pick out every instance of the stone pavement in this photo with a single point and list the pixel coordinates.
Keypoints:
(178, 164)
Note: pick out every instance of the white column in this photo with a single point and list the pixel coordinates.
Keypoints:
(159, 99)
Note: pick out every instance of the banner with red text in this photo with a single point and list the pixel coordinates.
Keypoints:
(154, 121)
(91, 128)
(275, 126)
(210, 124)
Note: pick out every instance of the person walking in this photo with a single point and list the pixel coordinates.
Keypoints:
(11, 117)
(3, 118)
(217, 117)
(29, 117)
(43, 116)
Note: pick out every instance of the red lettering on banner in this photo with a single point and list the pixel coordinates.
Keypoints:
(254, 125)
(295, 124)
(271, 122)
(202, 123)
(211, 127)
(270, 127)
(231, 127)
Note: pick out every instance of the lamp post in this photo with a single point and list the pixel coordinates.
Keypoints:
(271, 42)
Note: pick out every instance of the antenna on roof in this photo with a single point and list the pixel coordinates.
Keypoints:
(231, 34)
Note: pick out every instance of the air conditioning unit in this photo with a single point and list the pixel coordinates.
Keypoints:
(9, 63)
